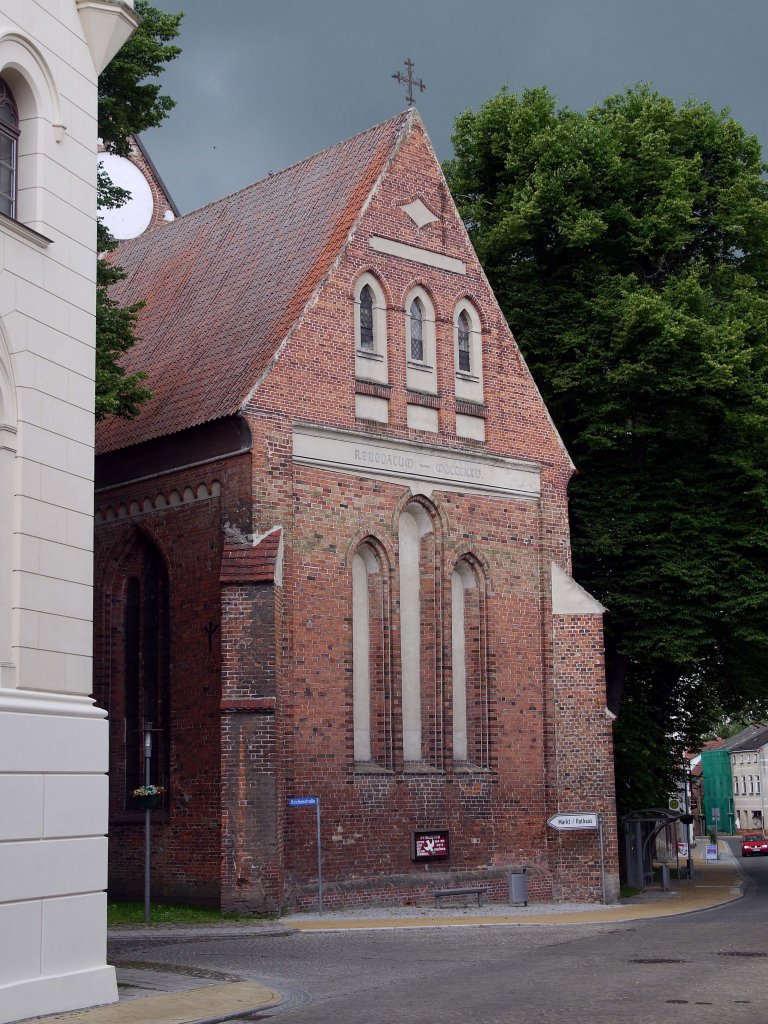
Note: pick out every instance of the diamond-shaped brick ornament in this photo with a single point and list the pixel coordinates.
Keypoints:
(420, 214)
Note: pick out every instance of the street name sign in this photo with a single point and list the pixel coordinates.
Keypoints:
(563, 822)
(313, 801)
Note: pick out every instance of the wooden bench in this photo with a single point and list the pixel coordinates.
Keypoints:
(467, 890)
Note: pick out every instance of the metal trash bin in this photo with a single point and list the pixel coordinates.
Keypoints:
(518, 887)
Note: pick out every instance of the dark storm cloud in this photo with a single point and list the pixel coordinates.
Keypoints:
(264, 83)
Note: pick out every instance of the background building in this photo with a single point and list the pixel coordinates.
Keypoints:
(717, 807)
(748, 768)
(53, 740)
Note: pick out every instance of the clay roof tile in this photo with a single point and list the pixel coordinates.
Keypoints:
(224, 284)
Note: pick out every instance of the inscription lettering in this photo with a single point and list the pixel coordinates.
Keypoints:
(421, 467)
(458, 470)
(379, 458)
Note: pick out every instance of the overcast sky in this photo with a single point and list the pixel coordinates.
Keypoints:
(263, 83)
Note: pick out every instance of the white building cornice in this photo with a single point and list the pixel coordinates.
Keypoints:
(108, 25)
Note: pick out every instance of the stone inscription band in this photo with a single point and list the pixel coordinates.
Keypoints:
(423, 467)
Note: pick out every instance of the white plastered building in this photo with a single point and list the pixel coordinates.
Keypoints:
(749, 771)
(53, 740)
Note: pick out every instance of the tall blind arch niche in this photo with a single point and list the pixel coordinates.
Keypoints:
(420, 342)
(371, 657)
(7, 503)
(469, 660)
(370, 330)
(420, 631)
(145, 665)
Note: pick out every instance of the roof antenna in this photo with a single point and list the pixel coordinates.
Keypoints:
(409, 80)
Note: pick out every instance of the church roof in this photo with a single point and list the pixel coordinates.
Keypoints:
(224, 284)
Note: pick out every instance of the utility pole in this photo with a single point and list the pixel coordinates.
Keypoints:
(147, 823)
(687, 805)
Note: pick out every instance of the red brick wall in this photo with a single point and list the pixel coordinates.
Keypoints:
(251, 878)
(585, 758)
(186, 832)
(495, 818)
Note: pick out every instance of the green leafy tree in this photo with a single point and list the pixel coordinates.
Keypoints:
(130, 101)
(628, 247)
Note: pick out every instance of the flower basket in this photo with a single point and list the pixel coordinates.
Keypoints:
(149, 803)
(149, 796)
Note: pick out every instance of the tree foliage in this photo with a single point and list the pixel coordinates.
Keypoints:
(130, 101)
(628, 248)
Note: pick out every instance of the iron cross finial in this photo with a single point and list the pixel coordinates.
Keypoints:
(409, 80)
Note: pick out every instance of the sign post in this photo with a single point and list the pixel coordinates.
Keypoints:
(602, 855)
(313, 801)
(572, 822)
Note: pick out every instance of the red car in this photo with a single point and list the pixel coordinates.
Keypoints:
(754, 843)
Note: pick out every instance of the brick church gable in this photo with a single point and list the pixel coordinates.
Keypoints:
(226, 287)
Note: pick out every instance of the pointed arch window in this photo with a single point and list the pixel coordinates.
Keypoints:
(370, 316)
(9, 136)
(464, 329)
(468, 353)
(367, 335)
(420, 345)
(417, 330)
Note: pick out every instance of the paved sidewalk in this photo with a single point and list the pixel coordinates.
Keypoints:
(151, 995)
(208, 1003)
(713, 884)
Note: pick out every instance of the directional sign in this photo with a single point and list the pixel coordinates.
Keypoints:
(303, 801)
(572, 821)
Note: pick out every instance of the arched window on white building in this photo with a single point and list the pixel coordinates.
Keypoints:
(30, 128)
(9, 139)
